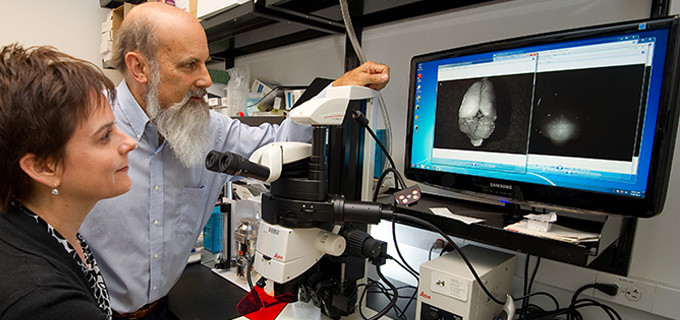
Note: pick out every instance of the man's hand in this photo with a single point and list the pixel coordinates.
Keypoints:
(370, 74)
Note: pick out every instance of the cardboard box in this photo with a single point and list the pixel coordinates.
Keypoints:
(117, 18)
(114, 19)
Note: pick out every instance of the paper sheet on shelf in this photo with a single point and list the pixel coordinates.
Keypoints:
(444, 212)
(557, 232)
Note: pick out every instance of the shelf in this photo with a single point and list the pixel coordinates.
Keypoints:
(610, 253)
(261, 25)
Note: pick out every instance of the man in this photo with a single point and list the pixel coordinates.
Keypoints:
(143, 238)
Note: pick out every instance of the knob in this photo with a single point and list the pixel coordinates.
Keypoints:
(431, 315)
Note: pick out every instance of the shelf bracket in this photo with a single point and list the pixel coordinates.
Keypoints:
(284, 15)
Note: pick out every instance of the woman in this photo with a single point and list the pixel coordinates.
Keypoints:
(60, 152)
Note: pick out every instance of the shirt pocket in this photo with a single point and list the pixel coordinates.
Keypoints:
(191, 209)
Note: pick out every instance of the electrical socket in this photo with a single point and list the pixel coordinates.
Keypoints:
(632, 293)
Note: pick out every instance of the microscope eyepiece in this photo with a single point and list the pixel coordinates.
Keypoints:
(212, 160)
(235, 165)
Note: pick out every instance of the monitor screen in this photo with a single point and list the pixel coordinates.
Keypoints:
(581, 119)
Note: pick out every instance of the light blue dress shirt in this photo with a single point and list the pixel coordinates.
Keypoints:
(142, 239)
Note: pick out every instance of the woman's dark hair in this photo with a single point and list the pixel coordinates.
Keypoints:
(44, 96)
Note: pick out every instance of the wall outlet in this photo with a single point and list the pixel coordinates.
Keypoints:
(632, 293)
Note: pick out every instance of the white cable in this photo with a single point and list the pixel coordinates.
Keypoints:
(359, 52)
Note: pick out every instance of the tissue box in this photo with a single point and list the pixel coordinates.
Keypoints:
(541, 222)
(538, 225)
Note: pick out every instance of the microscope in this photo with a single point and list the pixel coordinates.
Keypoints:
(307, 236)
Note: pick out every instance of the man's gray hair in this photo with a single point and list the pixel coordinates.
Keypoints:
(138, 35)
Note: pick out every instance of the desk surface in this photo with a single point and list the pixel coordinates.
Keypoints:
(203, 294)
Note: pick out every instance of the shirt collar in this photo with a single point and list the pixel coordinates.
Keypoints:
(131, 110)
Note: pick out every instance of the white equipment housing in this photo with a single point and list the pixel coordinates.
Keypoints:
(331, 109)
(283, 253)
(448, 290)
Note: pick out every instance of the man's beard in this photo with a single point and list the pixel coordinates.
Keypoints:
(183, 124)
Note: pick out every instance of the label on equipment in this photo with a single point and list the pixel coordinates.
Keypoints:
(449, 285)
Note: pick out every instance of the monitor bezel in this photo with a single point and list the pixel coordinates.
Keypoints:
(561, 198)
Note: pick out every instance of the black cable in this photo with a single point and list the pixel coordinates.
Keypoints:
(447, 238)
(380, 181)
(413, 298)
(528, 283)
(396, 246)
(575, 315)
(533, 275)
(613, 315)
(525, 298)
(607, 288)
(609, 310)
(434, 246)
(404, 267)
(390, 305)
(535, 312)
(581, 289)
(393, 302)
(525, 289)
(249, 262)
(363, 121)
(256, 296)
(399, 312)
(384, 291)
(372, 283)
(361, 311)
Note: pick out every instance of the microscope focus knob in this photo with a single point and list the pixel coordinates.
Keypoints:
(330, 243)
(355, 243)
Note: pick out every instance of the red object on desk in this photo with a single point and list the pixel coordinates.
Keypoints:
(258, 305)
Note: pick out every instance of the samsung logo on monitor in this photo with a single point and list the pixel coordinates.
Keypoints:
(500, 186)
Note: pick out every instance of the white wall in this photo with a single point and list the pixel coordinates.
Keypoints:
(72, 26)
(655, 253)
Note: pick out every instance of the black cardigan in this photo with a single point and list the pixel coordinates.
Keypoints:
(38, 278)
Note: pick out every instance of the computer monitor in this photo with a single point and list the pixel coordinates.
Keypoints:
(578, 120)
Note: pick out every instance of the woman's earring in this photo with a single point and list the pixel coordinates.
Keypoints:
(55, 192)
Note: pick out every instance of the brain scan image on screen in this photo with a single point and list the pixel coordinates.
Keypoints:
(560, 127)
(477, 113)
(591, 113)
(484, 114)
